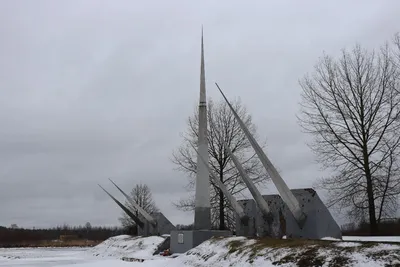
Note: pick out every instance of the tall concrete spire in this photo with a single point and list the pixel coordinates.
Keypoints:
(232, 200)
(202, 215)
(202, 80)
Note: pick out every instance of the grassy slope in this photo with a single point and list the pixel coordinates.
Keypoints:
(313, 252)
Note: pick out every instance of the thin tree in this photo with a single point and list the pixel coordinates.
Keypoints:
(142, 195)
(396, 52)
(351, 107)
(225, 129)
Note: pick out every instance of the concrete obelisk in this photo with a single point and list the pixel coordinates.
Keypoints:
(202, 213)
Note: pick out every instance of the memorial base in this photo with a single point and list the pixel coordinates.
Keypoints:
(182, 241)
(319, 222)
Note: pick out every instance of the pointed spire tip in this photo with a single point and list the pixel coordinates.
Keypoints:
(202, 34)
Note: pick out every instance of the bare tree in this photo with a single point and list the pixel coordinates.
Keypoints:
(141, 194)
(396, 49)
(351, 107)
(88, 226)
(225, 129)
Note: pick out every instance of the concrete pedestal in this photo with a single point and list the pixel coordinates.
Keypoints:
(318, 224)
(182, 241)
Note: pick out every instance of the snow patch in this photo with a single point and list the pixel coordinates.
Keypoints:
(128, 246)
(330, 239)
(347, 244)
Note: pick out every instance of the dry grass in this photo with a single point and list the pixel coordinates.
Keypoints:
(303, 252)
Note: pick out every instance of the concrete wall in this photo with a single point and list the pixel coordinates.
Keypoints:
(192, 238)
(250, 209)
(319, 222)
(181, 247)
(270, 226)
(164, 226)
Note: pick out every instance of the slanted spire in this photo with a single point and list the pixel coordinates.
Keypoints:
(125, 209)
(284, 191)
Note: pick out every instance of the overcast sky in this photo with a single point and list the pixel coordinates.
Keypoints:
(98, 89)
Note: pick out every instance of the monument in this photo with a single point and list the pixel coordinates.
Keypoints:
(154, 224)
(310, 219)
(182, 241)
(125, 209)
(202, 211)
(242, 217)
(244, 224)
(297, 213)
(270, 225)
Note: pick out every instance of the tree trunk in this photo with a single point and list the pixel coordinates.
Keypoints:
(137, 226)
(221, 211)
(221, 204)
(371, 208)
(373, 226)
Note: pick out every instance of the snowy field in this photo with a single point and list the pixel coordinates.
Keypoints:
(217, 253)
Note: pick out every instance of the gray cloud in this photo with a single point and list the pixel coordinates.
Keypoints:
(91, 90)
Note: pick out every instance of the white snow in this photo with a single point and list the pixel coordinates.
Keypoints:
(365, 238)
(128, 246)
(215, 253)
(347, 244)
(330, 239)
(41, 256)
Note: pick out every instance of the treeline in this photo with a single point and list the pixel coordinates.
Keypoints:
(385, 228)
(20, 235)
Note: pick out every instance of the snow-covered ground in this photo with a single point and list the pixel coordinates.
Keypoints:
(235, 251)
(127, 246)
(42, 256)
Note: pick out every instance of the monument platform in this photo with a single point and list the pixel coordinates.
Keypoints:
(182, 241)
